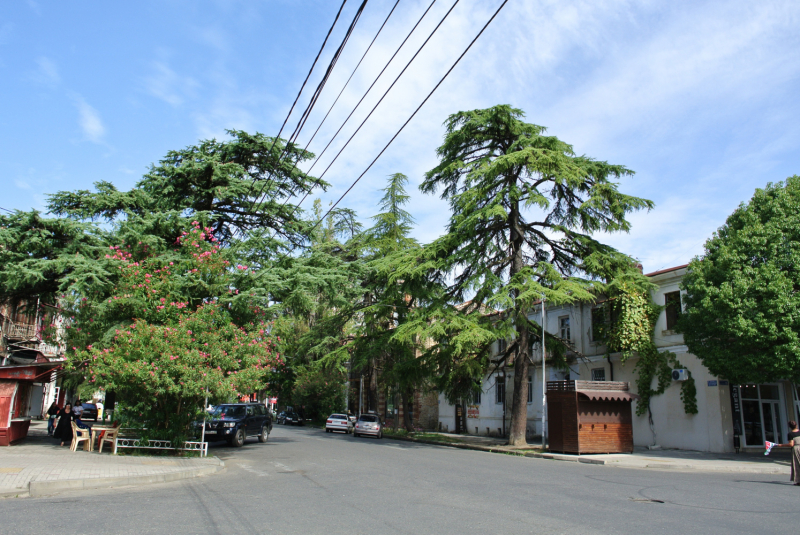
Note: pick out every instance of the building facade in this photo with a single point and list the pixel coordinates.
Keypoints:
(754, 413)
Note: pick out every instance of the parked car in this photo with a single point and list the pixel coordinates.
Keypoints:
(292, 418)
(369, 424)
(338, 422)
(235, 422)
(281, 419)
(89, 411)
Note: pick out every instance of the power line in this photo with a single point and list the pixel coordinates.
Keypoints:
(370, 88)
(380, 100)
(412, 115)
(359, 102)
(250, 190)
(306, 113)
(6, 210)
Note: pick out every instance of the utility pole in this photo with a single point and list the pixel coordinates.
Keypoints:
(544, 383)
(360, 394)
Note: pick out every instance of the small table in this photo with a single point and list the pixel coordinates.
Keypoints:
(98, 428)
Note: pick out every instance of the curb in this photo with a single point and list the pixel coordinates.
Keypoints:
(38, 489)
(771, 470)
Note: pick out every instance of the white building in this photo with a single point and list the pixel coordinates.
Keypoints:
(765, 409)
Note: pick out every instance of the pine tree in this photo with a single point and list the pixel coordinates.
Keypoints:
(524, 210)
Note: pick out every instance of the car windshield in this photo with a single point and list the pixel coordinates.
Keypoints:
(368, 418)
(338, 417)
(228, 411)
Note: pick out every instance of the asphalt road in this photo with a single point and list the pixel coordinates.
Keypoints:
(307, 481)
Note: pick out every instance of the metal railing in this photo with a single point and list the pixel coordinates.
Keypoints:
(128, 442)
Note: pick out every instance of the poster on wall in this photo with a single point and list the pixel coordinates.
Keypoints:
(473, 411)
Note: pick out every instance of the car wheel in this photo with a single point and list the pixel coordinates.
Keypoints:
(264, 436)
(380, 434)
(237, 441)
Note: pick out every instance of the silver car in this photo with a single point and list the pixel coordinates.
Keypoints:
(338, 422)
(369, 424)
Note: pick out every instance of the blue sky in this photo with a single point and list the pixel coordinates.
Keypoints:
(699, 98)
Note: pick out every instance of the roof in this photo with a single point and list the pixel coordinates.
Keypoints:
(607, 395)
(661, 271)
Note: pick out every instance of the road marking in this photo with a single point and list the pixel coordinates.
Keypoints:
(283, 467)
(259, 473)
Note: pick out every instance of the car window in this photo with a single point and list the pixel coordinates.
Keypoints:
(368, 418)
(250, 411)
(261, 410)
(229, 411)
(338, 417)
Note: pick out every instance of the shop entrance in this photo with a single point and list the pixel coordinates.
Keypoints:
(762, 414)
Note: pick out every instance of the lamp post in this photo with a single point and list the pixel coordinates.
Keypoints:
(544, 383)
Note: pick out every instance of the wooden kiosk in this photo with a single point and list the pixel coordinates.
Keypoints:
(589, 417)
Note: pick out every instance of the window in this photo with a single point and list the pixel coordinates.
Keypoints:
(672, 301)
(599, 324)
(476, 396)
(563, 326)
(501, 346)
(530, 389)
(599, 374)
(499, 389)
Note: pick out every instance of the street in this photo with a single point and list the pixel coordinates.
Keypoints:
(307, 481)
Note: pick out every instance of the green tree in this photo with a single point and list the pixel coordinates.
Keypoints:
(241, 183)
(743, 294)
(524, 210)
(163, 339)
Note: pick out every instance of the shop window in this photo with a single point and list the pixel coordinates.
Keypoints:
(599, 374)
(563, 326)
(672, 302)
(499, 389)
(762, 414)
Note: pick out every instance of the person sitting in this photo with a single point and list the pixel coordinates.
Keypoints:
(77, 408)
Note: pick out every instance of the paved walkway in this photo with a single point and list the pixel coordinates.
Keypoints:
(39, 466)
(778, 462)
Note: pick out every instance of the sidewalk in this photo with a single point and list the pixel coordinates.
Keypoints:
(778, 462)
(38, 466)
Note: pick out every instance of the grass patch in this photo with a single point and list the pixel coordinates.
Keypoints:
(436, 437)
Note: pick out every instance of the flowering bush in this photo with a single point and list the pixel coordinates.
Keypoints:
(172, 343)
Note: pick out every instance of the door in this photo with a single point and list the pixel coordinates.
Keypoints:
(771, 413)
(251, 422)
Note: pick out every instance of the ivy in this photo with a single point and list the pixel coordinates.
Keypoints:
(632, 316)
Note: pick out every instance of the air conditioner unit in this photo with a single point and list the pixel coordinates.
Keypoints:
(680, 375)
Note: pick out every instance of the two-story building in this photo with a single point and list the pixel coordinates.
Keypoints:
(761, 411)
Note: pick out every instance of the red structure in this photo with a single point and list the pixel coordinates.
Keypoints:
(590, 416)
(15, 397)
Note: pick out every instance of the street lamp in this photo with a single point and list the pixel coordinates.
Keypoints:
(544, 383)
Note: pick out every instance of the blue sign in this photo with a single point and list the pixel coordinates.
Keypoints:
(712, 383)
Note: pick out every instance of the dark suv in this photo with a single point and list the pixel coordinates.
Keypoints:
(236, 421)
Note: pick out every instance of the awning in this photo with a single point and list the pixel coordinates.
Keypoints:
(607, 395)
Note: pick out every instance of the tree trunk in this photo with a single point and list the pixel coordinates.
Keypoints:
(407, 423)
(519, 403)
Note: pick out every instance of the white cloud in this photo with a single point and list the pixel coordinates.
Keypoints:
(89, 120)
(47, 71)
(165, 84)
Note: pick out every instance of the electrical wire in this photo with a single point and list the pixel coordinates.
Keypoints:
(250, 190)
(412, 115)
(367, 92)
(294, 209)
(261, 195)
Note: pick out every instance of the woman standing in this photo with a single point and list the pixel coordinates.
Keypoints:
(52, 412)
(794, 441)
(64, 427)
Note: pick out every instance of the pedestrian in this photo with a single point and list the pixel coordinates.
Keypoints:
(64, 427)
(77, 408)
(52, 412)
(795, 445)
